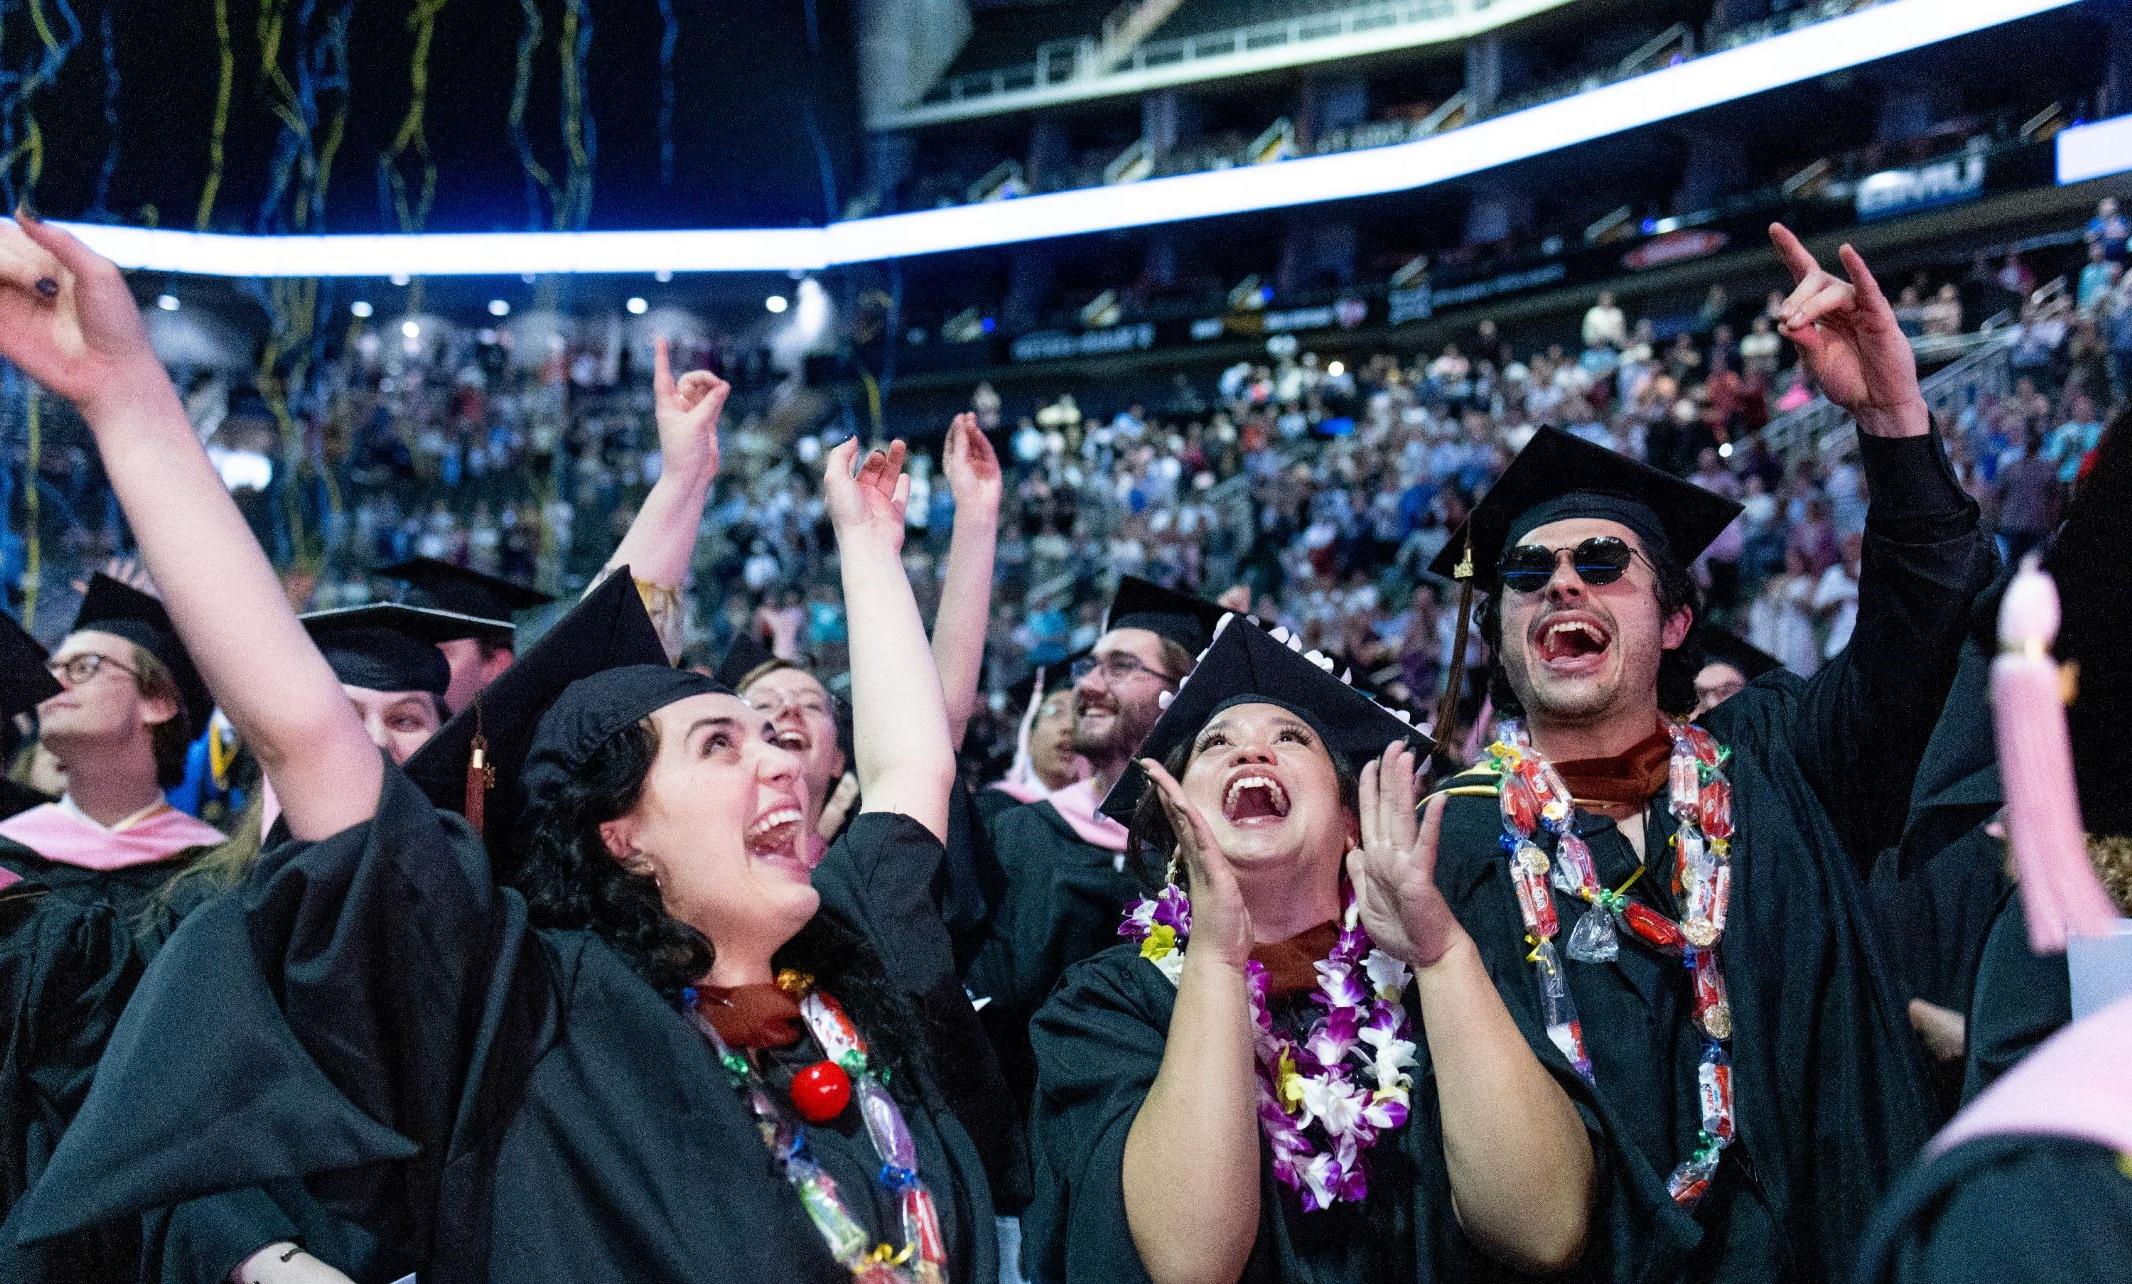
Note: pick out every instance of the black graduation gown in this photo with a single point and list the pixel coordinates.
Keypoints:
(490, 1100)
(73, 945)
(2021, 999)
(1830, 1100)
(1099, 1043)
(2011, 1209)
(1063, 903)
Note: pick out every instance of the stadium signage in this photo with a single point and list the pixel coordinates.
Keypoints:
(1902, 191)
(1509, 283)
(1674, 247)
(1054, 345)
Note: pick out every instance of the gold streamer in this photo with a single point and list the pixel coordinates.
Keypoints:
(227, 55)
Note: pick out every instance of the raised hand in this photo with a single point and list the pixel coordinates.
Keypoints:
(687, 412)
(972, 466)
(1394, 871)
(1221, 924)
(870, 503)
(68, 320)
(1848, 337)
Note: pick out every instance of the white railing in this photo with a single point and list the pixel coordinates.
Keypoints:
(1816, 430)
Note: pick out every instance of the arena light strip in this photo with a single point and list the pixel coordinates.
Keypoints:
(2095, 151)
(1892, 27)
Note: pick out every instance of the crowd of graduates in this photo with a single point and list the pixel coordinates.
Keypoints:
(613, 951)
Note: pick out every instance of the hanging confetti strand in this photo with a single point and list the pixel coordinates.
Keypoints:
(107, 43)
(575, 46)
(392, 188)
(22, 98)
(226, 53)
(538, 179)
(669, 39)
(33, 505)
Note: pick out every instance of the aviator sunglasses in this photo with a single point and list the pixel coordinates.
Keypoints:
(1602, 559)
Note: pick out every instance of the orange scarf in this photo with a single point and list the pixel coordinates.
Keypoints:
(1629, 779)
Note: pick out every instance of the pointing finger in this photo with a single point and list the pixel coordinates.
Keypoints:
(1792, 252)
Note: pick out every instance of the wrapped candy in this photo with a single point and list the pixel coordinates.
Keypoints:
(1716, 808)
(1521, 807)
(847, 1239)
(921, 1227)
(1712, 1012)
(1575, 871)
(1652, 927)
(1713, 1082)
(1536, 903)
(1691, 1181)
(1683, 781)
(885, 1126)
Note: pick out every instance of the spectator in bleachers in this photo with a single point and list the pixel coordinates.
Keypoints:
(1604, 324)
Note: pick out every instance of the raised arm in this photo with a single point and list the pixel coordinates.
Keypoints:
(661, 542)
(68, 320)
(1868, 713)
(899, 721)
(966, 586)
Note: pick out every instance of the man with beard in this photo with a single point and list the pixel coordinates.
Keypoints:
(1687, 900)
(1068, 874)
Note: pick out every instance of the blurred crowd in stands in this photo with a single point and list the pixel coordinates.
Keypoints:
(1318, 489)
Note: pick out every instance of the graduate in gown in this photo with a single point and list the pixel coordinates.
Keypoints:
(1044, 757)
(511, 1084)
(1300, 1067)
(2032, 1184)
(1717, 966)
(479, 659)
(81, 874)
(24, 684)
(1068, 873)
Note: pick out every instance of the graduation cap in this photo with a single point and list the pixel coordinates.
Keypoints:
(475, 764)
(390, 647)
(1560, 476)
(114, 607)
(444, 586)
(746, 660)
(1246, 665)
(24, 681)
(1043, 680)
(1142, 604)
(1723, 646)
(1556, 477)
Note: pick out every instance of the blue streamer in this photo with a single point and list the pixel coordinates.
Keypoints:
(670, 37)
(99, 200)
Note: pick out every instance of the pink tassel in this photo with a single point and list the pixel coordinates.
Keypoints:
(2059, 890)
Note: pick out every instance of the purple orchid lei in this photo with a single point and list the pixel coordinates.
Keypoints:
(1326, 1098)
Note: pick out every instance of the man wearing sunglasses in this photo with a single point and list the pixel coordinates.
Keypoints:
(1580, 557)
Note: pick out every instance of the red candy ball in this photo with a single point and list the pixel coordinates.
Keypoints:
(821, 1091)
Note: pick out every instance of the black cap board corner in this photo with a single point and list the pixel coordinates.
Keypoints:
(115, 607)
(24, 681)
(1723, 646)
(607, 630)
(1188, 621)
(450, 587)
(424, 624)
(1556, 464)
(1246, 660)
(746, 660)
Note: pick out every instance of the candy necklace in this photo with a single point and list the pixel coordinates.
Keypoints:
(1534, 798)
(819, 1093)
(1323, 1100)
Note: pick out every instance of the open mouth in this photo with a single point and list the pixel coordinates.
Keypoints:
(792, 740)
(1254, 799)
(1572, 643)
(775, 836)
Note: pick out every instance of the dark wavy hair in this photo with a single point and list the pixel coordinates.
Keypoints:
(1151, 837)
(1676, 668)
(572, 881)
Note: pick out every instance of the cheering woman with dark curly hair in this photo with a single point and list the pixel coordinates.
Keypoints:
(663, 1055)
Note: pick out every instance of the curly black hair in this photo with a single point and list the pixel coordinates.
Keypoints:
(572, 881)
(1151, 838)
(1676, 668)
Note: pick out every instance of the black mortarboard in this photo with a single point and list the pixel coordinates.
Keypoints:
(111, 606)
(1247, 665)
(1142, 604)
(390, 647)
(1559, 476)
(1047, 678)
(2088, 560)
(746, 660)
(608, 630)
(1723, 646)
(24, 681)
(455, 588)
